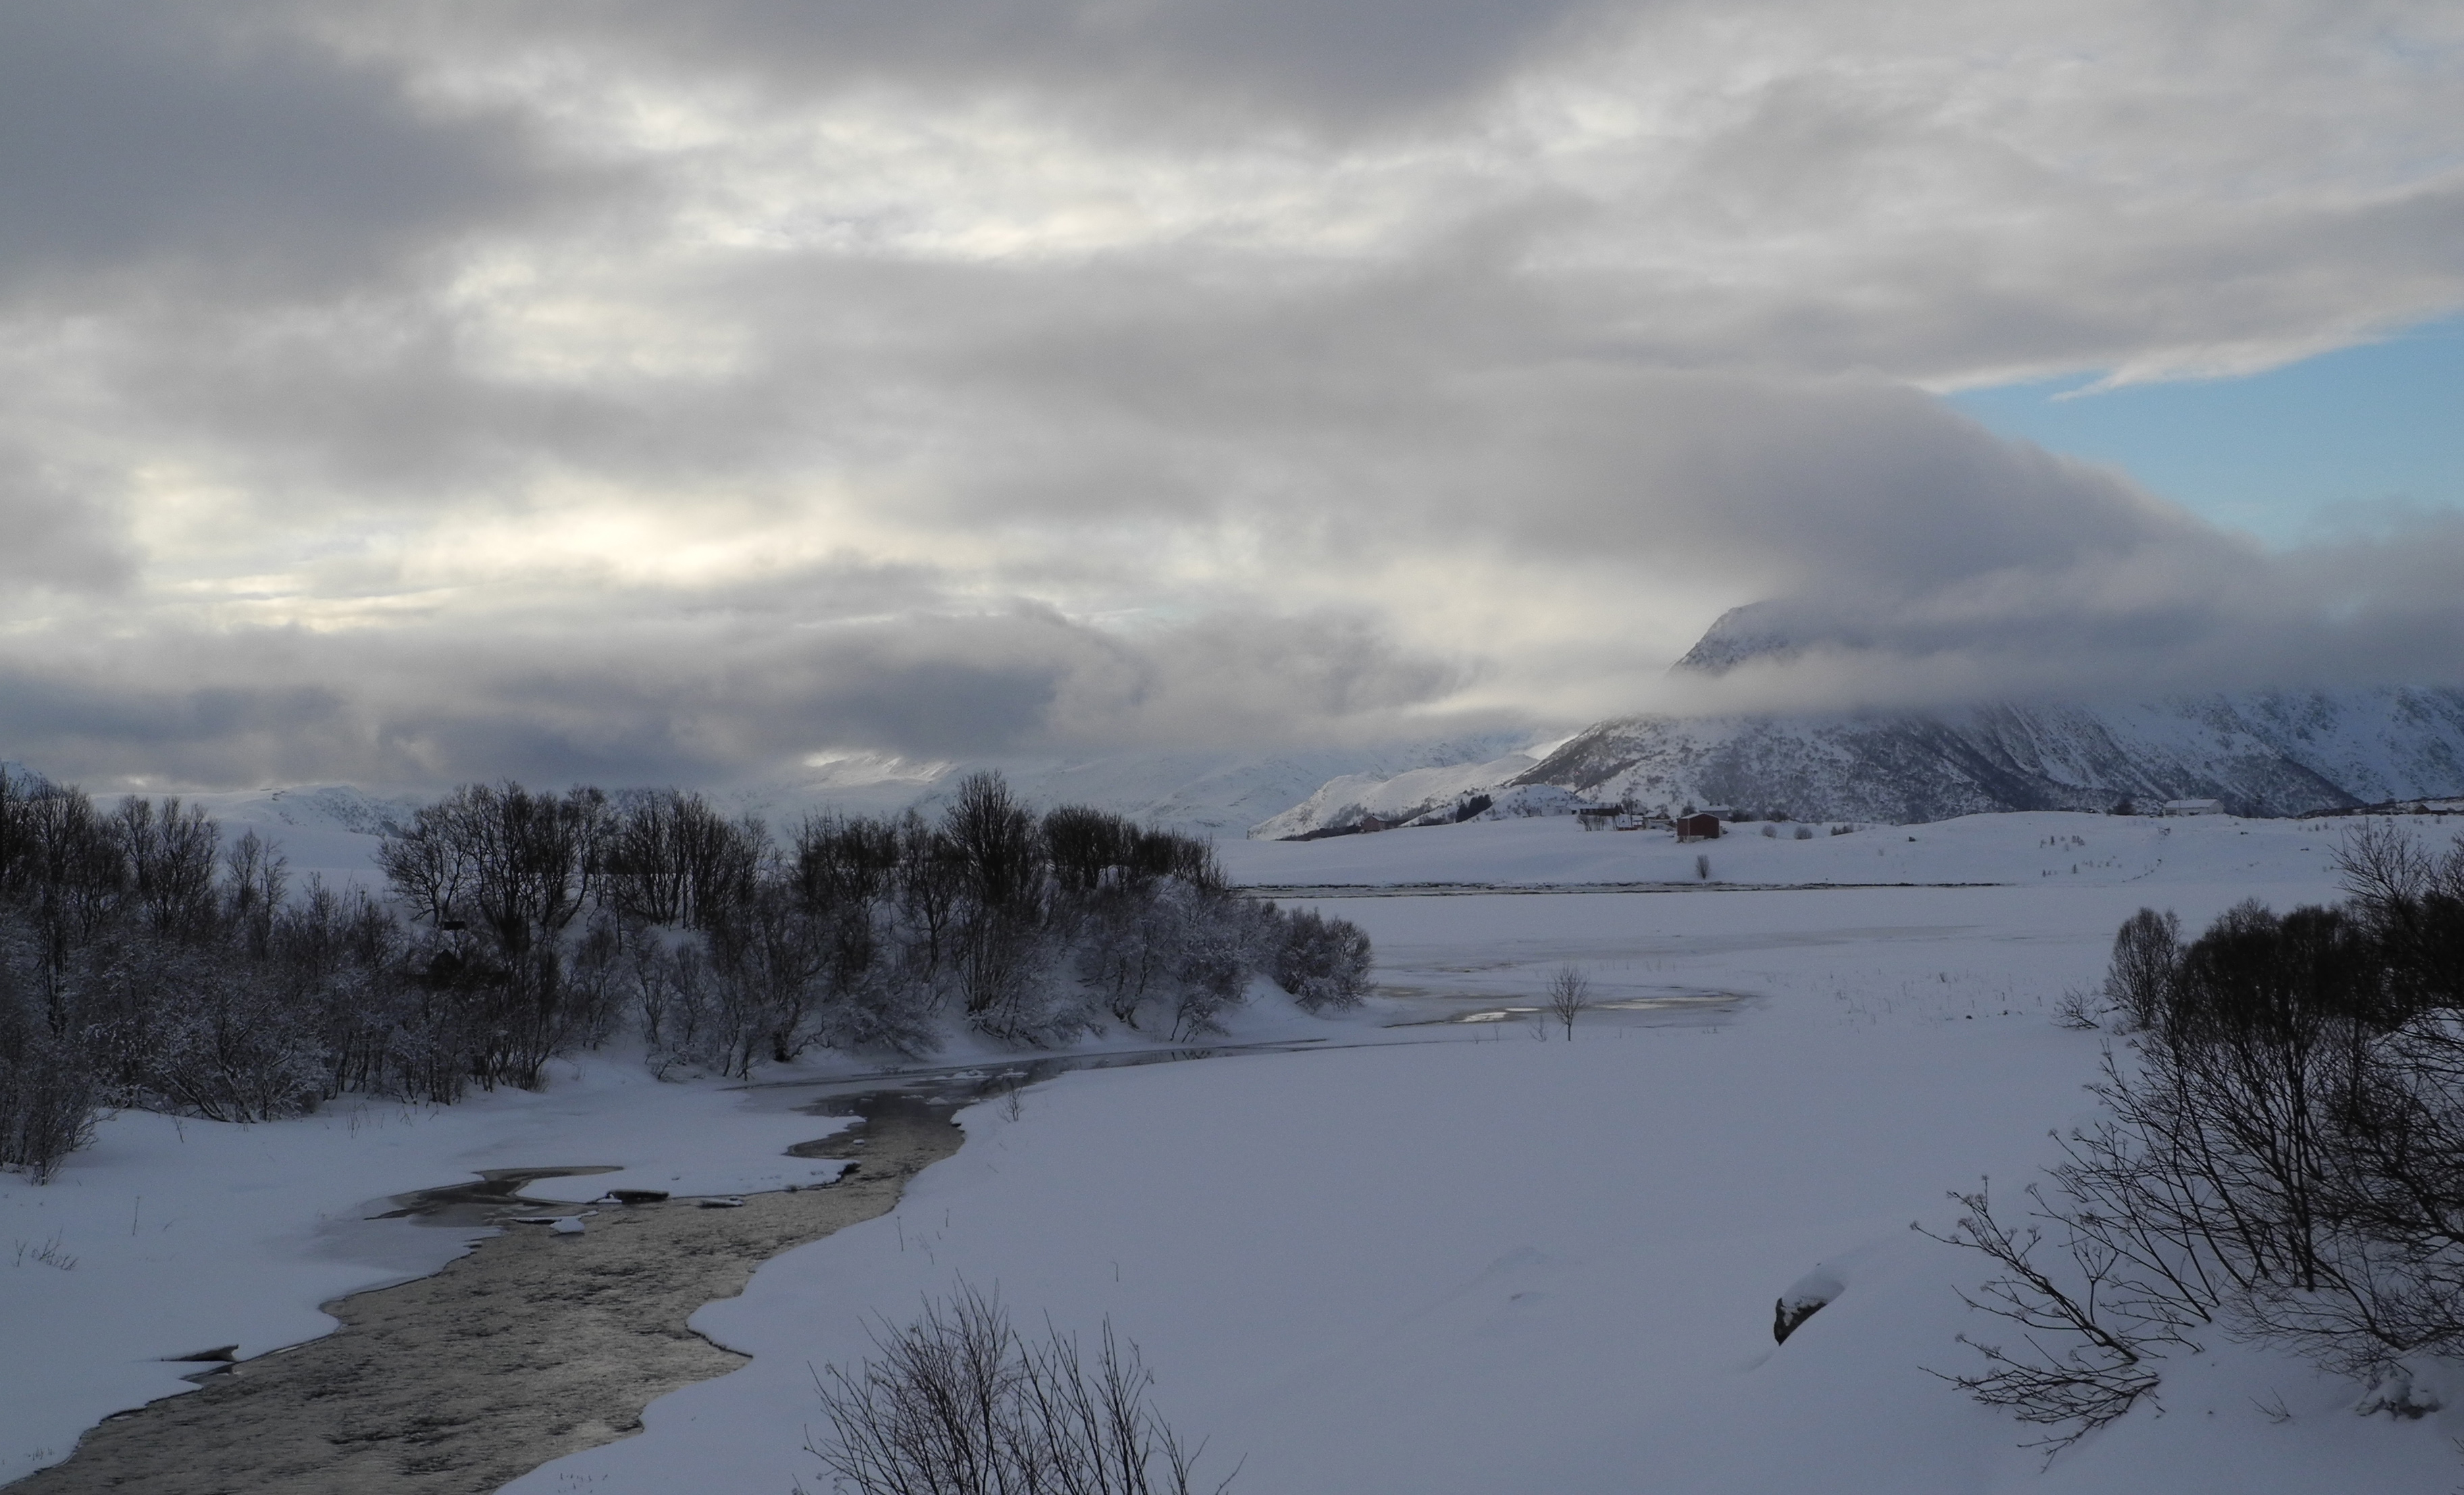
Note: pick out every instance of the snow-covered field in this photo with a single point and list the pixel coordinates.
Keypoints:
(1481, 1261)
(2041, 849)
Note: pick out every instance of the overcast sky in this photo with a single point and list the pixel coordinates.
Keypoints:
(409, 393)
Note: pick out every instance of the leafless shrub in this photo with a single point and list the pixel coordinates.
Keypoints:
(2078, 1010)
(2075, 1368)
(47, 1107)
(957, 1403)
(1569, 996)
(2282, 1156)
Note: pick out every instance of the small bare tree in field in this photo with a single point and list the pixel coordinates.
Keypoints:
(1569, 996)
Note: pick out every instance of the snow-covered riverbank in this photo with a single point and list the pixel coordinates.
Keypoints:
(168, 1237)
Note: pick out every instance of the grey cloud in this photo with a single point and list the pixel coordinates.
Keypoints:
(666, 689)
(178, 137)
(1360, 419)
(58, 536)
(859, 358)
(73, 723)
(1158, 67)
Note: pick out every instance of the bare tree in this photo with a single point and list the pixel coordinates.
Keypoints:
(1570, 996)
(2146, 955)
(957, 1403)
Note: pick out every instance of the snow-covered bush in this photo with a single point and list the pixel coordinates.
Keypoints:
(1323, 962)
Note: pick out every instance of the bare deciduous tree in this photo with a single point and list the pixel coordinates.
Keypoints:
(1569, 996)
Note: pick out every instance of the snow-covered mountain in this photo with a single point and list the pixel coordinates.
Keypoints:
(1202, 793)
(2264, 752)
(1398, 799)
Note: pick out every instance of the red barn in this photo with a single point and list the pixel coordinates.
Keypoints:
(1698, 827)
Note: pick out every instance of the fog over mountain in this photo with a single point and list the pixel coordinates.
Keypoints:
(2258, 752)
(399, 394)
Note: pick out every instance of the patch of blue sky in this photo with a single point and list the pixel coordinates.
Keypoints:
(2353, 440)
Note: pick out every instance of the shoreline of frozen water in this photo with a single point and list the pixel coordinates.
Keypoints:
(532, 1345)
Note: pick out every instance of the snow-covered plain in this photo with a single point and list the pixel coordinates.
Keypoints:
(1496, 1262)
(2046, 848)
(1481, 1261)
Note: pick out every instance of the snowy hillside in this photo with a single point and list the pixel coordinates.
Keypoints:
(1394, 801)
(330, 830)
(1204, 793)
(333, 828)
(2273, 753)
(2263, 752)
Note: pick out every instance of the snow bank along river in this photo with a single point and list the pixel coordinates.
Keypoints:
(535, 1344)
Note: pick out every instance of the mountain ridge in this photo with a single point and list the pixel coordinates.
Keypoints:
(2272, 752)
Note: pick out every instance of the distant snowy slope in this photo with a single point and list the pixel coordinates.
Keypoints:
(1203, 793)
(1404, 797)
(333, 830)
(2272, 753)
(2263, 752)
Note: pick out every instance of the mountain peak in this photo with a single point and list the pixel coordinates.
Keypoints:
(1753, 631)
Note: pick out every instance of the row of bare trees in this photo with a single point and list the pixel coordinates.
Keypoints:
(563, 914)
(2280, 1157)
(146, 960)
